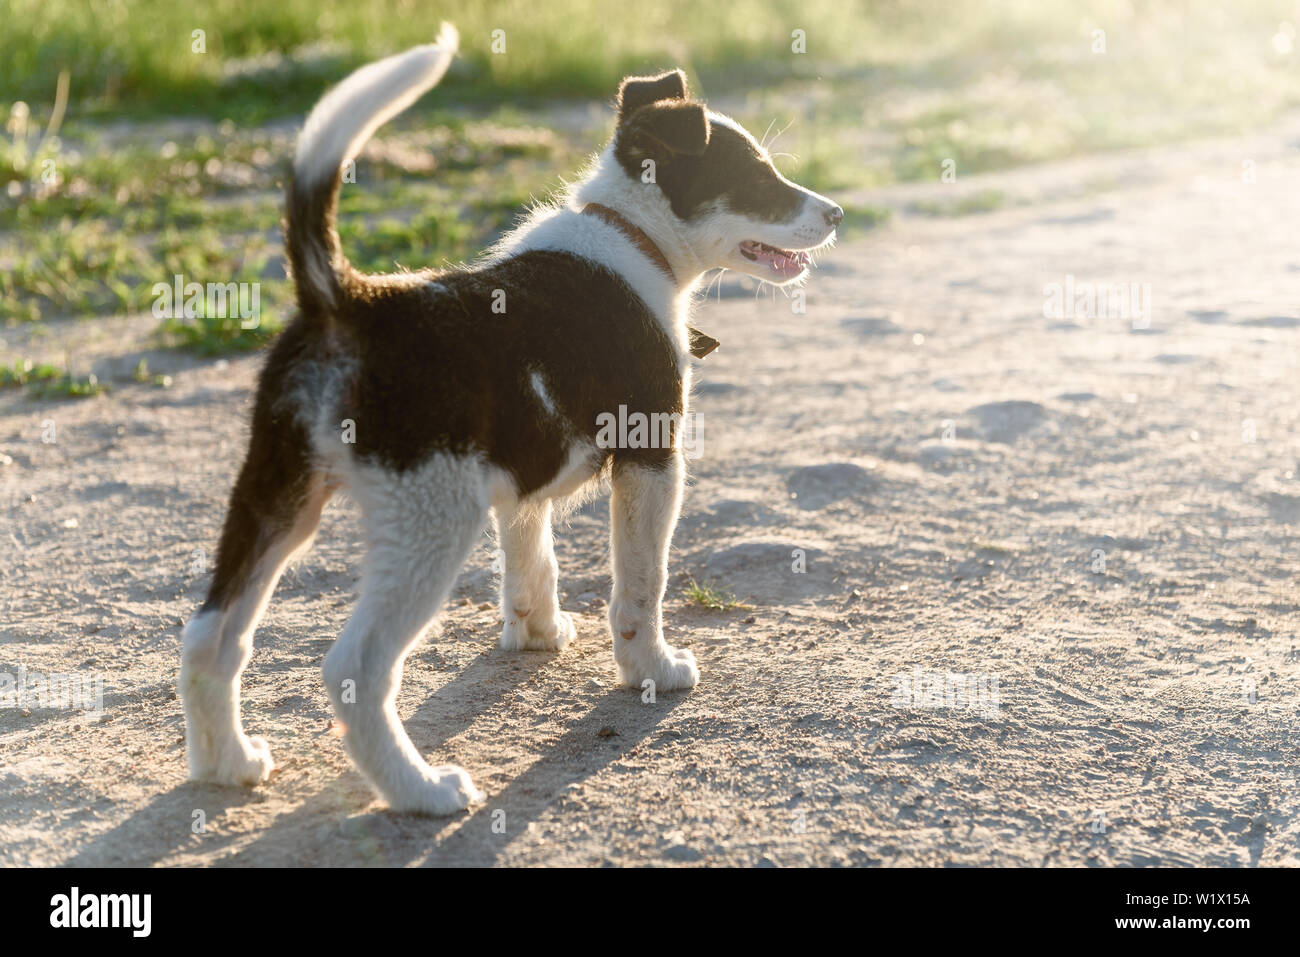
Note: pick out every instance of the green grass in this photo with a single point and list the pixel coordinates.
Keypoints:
(998, 85)
(45, 380)
(259, 59)
(143, 375)
(68, 386)
(115, 221)
(713, 597)
(217, 335)
(103, 200)
(48, 381)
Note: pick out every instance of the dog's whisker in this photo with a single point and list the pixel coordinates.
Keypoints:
(779, 132)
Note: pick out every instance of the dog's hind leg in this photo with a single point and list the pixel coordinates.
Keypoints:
(643, 512)
(420, 525)
(529, 604)
(274, 511)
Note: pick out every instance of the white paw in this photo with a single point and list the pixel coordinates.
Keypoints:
(526, 634)
(239, 761)
(668, 667)
(440, 791)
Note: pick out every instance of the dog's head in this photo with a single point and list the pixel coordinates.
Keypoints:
(727, 201)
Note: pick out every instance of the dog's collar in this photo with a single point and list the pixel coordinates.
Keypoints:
(635, 233)
(701, 344)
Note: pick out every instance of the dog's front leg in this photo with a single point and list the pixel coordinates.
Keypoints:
(529, 604)
(644, 507)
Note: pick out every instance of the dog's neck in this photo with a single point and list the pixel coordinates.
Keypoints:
(645, 210)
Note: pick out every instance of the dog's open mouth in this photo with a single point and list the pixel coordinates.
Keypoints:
(782, 262)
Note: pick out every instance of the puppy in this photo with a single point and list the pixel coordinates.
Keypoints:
(436, 397)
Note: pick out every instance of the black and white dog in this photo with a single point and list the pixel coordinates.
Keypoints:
(438, 397)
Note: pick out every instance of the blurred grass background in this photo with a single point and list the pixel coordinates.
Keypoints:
(168, 160)
(268, 58)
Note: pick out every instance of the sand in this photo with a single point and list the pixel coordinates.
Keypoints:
(1089, 526)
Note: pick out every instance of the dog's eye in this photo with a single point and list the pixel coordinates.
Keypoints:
(764, 195)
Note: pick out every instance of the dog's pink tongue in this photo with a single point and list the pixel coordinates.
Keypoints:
(779, 261)
(782, 262)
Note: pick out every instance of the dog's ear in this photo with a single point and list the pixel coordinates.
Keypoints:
(638, 91)
(665, 129)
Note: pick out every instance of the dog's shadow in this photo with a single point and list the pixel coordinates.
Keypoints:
(174, 821)
(341, 825)
(619, 722)
(167, 824)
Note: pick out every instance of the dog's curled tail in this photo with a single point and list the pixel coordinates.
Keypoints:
(334, 133)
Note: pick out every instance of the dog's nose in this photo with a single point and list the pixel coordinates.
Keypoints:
(834, 216)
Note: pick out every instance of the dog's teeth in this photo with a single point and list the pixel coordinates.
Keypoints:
(775, 256)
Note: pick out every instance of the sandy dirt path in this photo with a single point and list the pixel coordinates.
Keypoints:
(922, 475)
